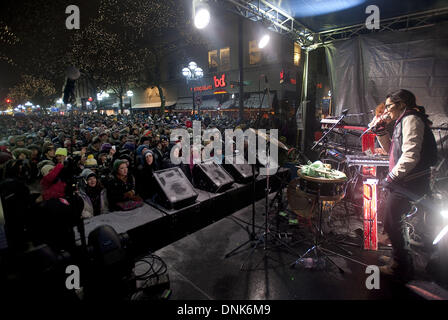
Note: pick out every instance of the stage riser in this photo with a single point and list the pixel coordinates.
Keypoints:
(170, 228)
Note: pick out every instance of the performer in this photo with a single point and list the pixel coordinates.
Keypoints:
(412, 151)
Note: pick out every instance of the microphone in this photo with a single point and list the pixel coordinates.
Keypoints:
(344, 112)
(384, 117)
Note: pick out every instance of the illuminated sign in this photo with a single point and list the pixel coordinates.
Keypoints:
(202, 88)
(218, 82)
(284, 76)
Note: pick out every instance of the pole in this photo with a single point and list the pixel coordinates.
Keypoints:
(193, 102)
(240, 65)
(304, 99)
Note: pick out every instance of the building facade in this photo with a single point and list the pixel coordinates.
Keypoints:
(271, 76)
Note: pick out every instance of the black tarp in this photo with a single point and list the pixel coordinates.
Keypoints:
(365, 68)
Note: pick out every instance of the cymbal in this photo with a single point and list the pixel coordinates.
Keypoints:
(270, 139)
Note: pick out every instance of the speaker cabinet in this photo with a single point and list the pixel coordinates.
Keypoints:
(211, 177)
(174, 189)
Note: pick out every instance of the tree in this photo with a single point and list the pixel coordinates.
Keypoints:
(38, 90)
(125, 43)
(37, 39)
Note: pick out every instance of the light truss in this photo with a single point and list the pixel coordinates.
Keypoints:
(401, 23)
(274, 19)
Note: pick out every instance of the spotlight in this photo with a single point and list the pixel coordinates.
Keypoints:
(444, 213)
(201, 14)
(264, 41)
(440, 235)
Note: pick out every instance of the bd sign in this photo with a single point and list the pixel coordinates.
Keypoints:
(220, 82)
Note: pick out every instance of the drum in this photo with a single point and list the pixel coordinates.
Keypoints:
(330, 189)
(298, 201)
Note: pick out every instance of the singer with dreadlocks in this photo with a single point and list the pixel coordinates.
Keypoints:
(412, 151)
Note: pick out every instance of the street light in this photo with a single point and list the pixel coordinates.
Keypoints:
(130, 94)
(191, 73)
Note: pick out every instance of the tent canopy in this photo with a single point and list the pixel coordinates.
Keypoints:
(323, 15)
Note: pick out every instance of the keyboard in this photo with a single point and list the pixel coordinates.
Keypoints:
(362, 160)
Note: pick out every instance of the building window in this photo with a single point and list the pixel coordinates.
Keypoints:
(225, 58)
(213, 60)
(297, 52)
(254, 52)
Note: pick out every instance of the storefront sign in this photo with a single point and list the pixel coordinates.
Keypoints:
(218, 82)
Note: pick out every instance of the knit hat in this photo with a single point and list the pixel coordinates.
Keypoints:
(140, 149)
(46, 147)
(87, 173)
(46, 169)
(148, 152)
(16, 152)
(105, 147)
(129, 146)
(61, 152)
(91, 161)
(117, 164)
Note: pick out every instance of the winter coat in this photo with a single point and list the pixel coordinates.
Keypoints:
(52, 186)
(88, 210)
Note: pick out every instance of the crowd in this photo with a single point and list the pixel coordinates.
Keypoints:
(107, 160)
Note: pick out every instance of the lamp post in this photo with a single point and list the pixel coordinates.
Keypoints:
(130, 94)
(192, 72)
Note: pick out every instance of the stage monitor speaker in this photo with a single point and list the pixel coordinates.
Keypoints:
(174, 189)
(211, 177)
(240, 172)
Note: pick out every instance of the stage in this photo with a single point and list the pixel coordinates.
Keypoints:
(152, 226)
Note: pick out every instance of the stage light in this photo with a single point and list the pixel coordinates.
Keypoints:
(444, 213)
(201, 14)
(440, 235)
(264, 41)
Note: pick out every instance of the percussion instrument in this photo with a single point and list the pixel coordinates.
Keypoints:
(298, 201)
(328, 189)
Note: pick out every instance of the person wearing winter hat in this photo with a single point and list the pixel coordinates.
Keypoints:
(61, 155)
(145, 184)
(46, 169)
(94, 147)
(121, 188)
(93, 194)
(91, 162)
(105, 148)
(48, 151)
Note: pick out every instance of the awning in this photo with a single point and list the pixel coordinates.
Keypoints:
(152, 105)
(228, 104)
(209, 104)
(184, 103)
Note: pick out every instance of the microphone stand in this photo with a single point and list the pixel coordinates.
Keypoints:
(344, 114)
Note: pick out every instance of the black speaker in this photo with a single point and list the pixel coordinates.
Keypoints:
(211, 177)
(240, 172)
(174, 189)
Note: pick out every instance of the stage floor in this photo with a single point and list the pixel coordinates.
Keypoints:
(198, 269)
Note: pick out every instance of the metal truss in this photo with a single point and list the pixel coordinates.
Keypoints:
(401, 23)
(280, 21)
(273, 18)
